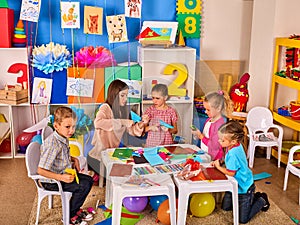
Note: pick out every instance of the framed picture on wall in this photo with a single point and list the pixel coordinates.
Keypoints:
(158, 31)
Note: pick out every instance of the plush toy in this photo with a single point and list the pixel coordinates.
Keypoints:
(239, 93)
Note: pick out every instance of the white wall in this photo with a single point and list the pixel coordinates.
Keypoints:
(225, 30)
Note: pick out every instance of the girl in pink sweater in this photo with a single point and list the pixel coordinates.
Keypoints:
(216, 105)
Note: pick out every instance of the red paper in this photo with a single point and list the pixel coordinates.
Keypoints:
(210, 174)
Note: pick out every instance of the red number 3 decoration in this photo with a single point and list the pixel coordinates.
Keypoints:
(16, 68)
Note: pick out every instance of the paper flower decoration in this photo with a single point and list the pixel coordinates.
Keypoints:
(98, 57)
(50, 58)
(84, 123)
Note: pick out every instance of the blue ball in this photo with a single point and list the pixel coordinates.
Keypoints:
(155, 201)
(37, 138)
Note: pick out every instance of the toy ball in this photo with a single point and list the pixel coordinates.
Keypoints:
(24, 138)
(5, 146)
(37, 138)
(135, 204)
(202, 205)
(74, 150)
(155, 201)
(163, 212)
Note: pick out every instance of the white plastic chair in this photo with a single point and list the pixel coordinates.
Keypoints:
(46, 131)
(260, 120)
(32, 160)
(290, 168)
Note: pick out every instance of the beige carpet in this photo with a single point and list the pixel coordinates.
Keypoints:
(53, 216)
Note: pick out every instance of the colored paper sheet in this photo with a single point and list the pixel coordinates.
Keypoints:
(261, 176)
(152, 156)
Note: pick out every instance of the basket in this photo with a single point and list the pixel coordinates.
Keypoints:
(295, 110)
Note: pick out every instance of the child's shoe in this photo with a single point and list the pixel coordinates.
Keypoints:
(76, 220)
(84, 215)
(267, 205)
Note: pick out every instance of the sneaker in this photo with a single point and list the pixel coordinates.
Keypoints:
(76, 220)
(84, 215)
(257, 195)
(267, 205)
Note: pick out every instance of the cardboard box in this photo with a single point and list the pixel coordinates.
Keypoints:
(13, 96)
(6, 27)
(97, 74)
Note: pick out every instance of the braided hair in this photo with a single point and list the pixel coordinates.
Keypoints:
(233, 130)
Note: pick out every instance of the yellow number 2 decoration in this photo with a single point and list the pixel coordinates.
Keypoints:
(174, 87)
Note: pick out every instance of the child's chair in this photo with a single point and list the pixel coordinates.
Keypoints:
(291, 168)
(259, 124)
(32, 158)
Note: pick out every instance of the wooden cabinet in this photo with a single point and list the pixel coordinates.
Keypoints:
(174, 67)
(280, 46)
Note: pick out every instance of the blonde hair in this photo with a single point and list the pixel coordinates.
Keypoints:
(220, 100)
(62, 113)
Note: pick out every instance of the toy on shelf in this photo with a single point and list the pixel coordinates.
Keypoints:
(20, 38)
(239, 93)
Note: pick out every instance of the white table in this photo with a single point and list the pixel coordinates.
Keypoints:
(185, 188)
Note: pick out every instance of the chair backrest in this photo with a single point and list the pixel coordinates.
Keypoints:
(32, 158)
(259, 118)
(46, 132)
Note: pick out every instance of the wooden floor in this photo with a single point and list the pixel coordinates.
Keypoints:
(18, 191)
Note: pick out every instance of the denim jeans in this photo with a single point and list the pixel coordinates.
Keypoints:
(79, 191)
(248, 206)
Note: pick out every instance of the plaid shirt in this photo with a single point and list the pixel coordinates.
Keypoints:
(160, 137)
(55, 155)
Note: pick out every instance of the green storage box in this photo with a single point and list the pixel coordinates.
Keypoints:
(122, 72)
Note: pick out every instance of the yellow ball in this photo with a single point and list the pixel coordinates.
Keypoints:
(202, 205)
(74, 150)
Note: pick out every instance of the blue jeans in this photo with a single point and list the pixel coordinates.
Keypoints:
(248, 206)
(79, 191)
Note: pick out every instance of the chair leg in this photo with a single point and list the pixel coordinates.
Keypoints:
(279, 156)
(286, 177)
(101, 174)
(65, 202)
(50, 201)
(38, 210)
(268, 152)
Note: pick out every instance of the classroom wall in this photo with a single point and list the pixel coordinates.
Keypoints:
(48, 28)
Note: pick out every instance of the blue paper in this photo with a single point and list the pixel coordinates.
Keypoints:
(152, 156)
(108, 221)
(163, 123)
(135, 117)
(261, 176)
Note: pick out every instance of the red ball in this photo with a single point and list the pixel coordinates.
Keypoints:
(24, 138)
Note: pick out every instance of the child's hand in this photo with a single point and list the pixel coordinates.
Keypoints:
(197, 133)
(215, 163)
(76, 164)
(153, 128)
(145, 119)
(163, 128)
(67, 178)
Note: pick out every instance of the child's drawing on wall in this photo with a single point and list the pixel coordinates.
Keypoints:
(41, 91)
(133, 8)
(93, 20)
(116, 28)
(70, 15)
(30, 10)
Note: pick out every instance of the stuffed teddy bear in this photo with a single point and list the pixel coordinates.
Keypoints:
(239, 93)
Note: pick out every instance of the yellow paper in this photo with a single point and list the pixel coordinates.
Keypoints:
(72, 172)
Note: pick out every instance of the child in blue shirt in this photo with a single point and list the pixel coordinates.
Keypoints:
(231, 135)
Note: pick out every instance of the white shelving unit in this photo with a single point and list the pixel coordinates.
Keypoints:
(155, 61)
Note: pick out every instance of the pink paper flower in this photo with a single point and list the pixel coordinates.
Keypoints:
(98, 57)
